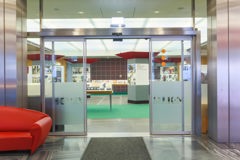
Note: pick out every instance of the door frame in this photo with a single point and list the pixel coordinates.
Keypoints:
(42, 81)
(135, 33)
(181, 40)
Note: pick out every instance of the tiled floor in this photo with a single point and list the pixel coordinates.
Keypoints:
(118, 125)
(159, 147)
(162, 147)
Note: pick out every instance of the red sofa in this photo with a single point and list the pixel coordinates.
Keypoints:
(22, 129)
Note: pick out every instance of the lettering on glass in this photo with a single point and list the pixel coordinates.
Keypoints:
(167, 100)
(66, 100)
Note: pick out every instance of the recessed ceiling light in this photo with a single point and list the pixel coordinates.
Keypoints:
(156, 12)
(180, 8)
(81, 12)
(119, 12)
(117, 22)
(56, 9)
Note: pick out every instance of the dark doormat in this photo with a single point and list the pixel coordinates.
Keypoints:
(124, 148)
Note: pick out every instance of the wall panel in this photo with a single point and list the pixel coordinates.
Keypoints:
(10, 52)
(234, 69)
(212, 76)
(218, 128)
(222, 71)
(2, 93)
(224, 58)
(21, 53)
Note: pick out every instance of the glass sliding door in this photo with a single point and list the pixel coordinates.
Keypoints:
(64, 81)
(171, 85)
(173, 77)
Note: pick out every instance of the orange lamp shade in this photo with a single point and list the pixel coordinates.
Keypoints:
(163, 63)
(163, 50)
(163, 58)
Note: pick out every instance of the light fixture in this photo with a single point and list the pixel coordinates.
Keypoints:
(117, 22)
(180, 8)
(56, 9)
(81, 12)
(119, 12)
(163, 58)
(156, 12)
(163, 50)
(163, 64)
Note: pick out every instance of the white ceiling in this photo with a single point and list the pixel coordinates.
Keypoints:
(97, 14)
(54, 9)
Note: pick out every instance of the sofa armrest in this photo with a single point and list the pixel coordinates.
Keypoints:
(39, 132)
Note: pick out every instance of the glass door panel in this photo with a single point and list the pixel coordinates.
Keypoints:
(187, 84)
(33, 76)
(65, 97)
(171, 80)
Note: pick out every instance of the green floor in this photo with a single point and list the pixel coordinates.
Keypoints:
(118, 111)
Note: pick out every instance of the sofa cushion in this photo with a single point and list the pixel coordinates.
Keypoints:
(18, 119)
(15, 141)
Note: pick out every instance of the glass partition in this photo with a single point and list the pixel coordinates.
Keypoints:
(171, 86)
(64, 75)
(33, 74)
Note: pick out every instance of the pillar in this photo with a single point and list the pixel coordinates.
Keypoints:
(13, 47)
(223, 70)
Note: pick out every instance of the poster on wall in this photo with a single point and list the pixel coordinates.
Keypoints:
(58, 73)
(77, 74)
(131, 74)
(169, 73)
(36, 69)
(76, 70)
(187, 72)
(204, 74)
(142, 74)
(35, 74)
(48, 74)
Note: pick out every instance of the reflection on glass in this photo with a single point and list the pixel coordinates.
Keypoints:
(64, 99)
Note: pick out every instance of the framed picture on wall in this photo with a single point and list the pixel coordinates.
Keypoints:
(36, 69)
(169, 73)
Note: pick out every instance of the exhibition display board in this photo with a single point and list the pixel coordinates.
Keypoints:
(138, 80)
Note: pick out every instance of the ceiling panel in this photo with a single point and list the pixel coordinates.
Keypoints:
(97, 14)
(164, 8)
(109, 8)
(141, 45)
(96, 46)
(68, 48)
